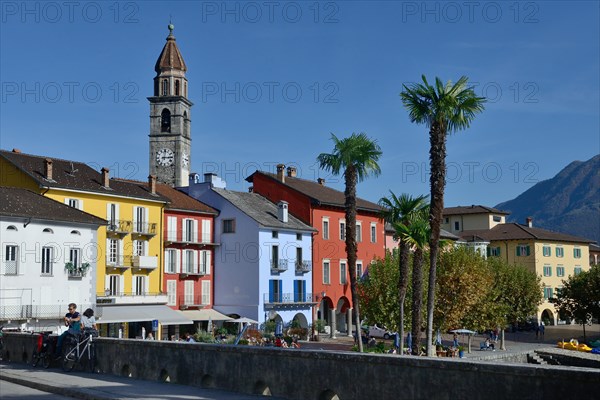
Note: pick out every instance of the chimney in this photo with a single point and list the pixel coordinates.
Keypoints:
(152, 184)
(291, 172)
(214, 180)
(105, 177)
(15, 150)
(529, 222)
(282, 211)
(48, 169)
(280, 174)
(321, 181)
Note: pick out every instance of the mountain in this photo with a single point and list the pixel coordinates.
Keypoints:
(567, 203)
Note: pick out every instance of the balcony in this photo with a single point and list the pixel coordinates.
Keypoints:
(118, 228)
(303, 266)
(288, 300)
(118, 262)
(144, 262)
(139, 297)
(190, 302)
(188, 239)
(144, 230)
(280, 265)
(193, 271)
(22, 310)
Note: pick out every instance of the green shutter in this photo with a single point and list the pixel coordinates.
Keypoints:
(528, 250)
(518, 251)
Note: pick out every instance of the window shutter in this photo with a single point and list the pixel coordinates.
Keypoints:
(134, 284)
(106, 283)
(135, 219)
(184, 229)
(107, 250)
(178, 261)
(166, 261)
(528, 250)
(296, 294)
(205, 292)
(196, 267)
(518, 251)
(195, 237)
(271, 290)
(120, 255)
(208, 261)
(303, 291)
(80, 204)
(172, 228)
(206, 232)
(488, 251)
(279, 294)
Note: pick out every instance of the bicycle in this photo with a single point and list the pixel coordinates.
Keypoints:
(43, 350)
(75, 350)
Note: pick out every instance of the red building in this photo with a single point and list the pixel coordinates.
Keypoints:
(188, 230)
(323, 208)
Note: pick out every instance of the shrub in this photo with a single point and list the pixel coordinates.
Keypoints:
(204, 337)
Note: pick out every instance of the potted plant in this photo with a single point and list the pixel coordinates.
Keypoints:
(78, 270)
(461, 352)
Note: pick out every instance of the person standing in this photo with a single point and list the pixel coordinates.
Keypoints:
(72, 321)
(542, 330)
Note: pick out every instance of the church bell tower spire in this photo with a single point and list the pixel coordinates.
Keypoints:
(170, 119)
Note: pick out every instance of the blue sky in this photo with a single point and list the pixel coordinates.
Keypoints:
(271, 81)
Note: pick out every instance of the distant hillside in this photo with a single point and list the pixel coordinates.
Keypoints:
(567, 203)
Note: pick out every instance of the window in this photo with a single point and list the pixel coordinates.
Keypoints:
(546, 251)
(275, 257)
(275, 294)
(139, 248)
(547, 270)
(11, 228)
(139, 285)
(48, 230)
(548, 292)
(113, 251)
(170, 261)
(11, 265)
(523, 250)
(140, 219)
(177, 87)
(298, 236)
(493, 251)
(165, 121)
(497, 218)
(172, 229)
(342, 230)
(188, 292)
(300, 291)
(456, 225)
(446, 220)
(74, 257)
(577, 270)
(358, 232)
(205, 292)
(343, 273)
(326, 228)
(47, 260)
(112, 217)
(274, 234)
(171, 292)
(188, 262)
(206, 231)
(373, 233)
(165, 87)
(205, 258)
(560, 252)
(73, 203)
(114, 285)
(188, 230)
(577, 252)
(560, 270)
(299, 255)
(326, 271)
(359, 269)
(228, 225)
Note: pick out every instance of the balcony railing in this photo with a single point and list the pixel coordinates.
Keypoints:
(193, 270)
(180, 236)
(11, 267)
(281, 299)
(20, 312)
(139, 297)
(117, 261)
(120, 227)
(193, 301)
(144, 228)
(279, 265)
(144, 262)
(303, 266)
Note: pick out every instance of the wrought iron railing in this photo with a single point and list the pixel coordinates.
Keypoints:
(288, 298)
(304, 266)
(279, 265)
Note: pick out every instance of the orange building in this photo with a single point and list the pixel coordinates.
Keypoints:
(323, 208)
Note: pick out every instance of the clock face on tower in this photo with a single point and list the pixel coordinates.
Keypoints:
(165, 157)
(185, 160)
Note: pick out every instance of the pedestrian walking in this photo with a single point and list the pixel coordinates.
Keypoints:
(542, 330)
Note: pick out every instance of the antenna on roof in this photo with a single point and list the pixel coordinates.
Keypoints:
(73, 170)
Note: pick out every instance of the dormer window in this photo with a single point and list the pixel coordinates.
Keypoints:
(11, 228)
(165, 121)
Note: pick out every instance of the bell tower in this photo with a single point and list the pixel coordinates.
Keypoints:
(170, 119)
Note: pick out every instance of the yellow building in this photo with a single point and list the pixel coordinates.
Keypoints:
(553, 256)
(129, 249)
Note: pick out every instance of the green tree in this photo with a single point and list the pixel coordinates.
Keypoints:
(444, 109)
(357, 156)
(579, 298)
(416, 234)
(398, 211)
(378, 299)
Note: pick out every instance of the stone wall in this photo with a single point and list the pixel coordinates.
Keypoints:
(308, 374)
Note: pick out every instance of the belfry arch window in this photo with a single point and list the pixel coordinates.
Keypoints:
(177, 88)
(165, 87)
(165, 121)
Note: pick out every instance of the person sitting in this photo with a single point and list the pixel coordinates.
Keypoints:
(88, 323)
(295, 344)
(71, 320)
(489, 345)
(189, 338)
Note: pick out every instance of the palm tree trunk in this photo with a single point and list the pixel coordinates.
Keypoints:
(402, 285)
(437, 180)
(417, 300)
(350, 177)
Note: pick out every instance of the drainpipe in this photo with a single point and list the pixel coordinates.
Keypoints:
(160, 260)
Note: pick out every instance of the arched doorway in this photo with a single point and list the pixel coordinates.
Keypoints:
(324, 310)
(301, 320)
(548, 317)
(341, 313)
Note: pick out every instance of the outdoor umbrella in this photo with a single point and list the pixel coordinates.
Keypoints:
(465, 332)
(210, 325)
(278, 329)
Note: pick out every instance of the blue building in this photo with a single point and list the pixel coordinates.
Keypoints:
(263, 266)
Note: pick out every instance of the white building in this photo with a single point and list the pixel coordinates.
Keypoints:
(263, 266)
(49, 253)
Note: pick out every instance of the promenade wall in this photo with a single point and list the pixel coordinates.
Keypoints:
(325, 375)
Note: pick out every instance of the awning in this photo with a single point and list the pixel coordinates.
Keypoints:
(165, 315)
(205, 315)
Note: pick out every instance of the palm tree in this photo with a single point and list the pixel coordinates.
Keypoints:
(398, 210)
(444, 109)
(416, 234)
(357, 156)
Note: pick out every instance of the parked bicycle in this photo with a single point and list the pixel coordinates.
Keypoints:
(79, 351)
(44, 349)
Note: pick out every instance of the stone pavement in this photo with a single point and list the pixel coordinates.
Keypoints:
(106, 387)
